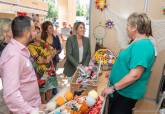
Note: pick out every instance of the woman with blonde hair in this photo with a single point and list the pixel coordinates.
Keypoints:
(77, 50)
(131, 71)
(6, 35)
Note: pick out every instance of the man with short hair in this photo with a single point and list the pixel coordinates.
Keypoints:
(65, 31)
(20, 88)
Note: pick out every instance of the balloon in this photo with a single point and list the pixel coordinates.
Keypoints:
(69, 96)
(50, 106)
(90, 101)
(93, 94)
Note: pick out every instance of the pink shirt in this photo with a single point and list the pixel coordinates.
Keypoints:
(20, 87)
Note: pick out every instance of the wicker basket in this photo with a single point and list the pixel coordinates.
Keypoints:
(75, 86)
(106, 67)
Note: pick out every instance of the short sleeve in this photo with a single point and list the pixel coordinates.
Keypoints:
(141, 54)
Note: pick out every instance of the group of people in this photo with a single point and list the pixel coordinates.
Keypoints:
(32, 56)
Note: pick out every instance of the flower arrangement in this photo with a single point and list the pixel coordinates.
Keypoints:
(105, 57)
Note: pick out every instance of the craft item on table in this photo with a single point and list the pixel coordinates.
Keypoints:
(78, 92)
(81, 68)
(50, 106)
(106, 56)
(79, 99)
(63, 111)
(68, 96)
(93, 94)
(84, 108)
(90, 74)
(109, 24)
(78, 105)
(57, 113)
(70, 107)
(60, 100)
(97, 106)
(90, 101)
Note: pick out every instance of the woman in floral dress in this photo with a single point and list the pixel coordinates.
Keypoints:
(42, 54)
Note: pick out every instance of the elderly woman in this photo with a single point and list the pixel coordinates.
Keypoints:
(77, 50)
(131, 72)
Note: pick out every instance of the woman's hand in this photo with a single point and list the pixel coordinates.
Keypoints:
(108, 90)
(49, 58)
(54, 52)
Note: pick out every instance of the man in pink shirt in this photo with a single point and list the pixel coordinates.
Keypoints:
(20, 88)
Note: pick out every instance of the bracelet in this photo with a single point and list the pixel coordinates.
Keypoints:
(113, 87)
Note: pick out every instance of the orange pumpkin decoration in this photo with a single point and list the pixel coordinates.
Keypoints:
(60, 101)
(69, 96)
(84, 108)
(75, 112)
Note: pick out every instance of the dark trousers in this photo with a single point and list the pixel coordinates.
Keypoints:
(121, 104)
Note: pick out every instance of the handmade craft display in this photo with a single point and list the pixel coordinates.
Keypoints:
(87, 74)
(90, 104)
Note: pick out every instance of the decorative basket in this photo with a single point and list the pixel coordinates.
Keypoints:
(106, 58)
(92, 84)
(106, 67)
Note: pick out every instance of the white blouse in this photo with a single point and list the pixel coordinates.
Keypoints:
(80, 54)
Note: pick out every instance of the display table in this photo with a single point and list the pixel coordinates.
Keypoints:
(102, 83)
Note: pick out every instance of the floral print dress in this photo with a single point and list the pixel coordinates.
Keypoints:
(41, 51)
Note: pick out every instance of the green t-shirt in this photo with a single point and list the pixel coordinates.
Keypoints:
(139, 53)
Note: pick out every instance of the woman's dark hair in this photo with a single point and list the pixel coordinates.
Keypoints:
(19, 25)
(44, 34)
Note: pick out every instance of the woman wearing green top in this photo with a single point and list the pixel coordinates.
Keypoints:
(131, 71)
